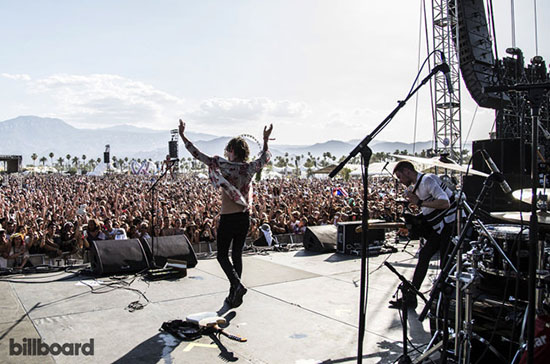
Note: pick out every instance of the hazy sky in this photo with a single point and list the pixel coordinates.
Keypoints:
(316, 69)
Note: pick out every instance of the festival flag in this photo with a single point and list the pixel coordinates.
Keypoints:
(339, 191)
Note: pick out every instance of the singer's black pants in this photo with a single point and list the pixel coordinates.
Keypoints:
(434, 242)
(232, 228)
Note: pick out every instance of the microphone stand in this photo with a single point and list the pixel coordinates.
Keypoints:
(535, 95)
(394, 190)
(366, 153)
(397, 214)
(152, 190)
(405, 287)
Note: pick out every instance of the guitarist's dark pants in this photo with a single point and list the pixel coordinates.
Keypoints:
(434, 242)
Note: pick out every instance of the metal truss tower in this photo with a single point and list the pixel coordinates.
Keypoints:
(447, 115)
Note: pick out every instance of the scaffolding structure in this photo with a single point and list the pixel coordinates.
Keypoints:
(514, 120)
(447, 114)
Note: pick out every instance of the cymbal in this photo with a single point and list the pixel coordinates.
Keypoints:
(442, 163)
(525, 195)
(516, 217)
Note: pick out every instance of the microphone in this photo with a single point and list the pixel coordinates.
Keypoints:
(444, 67)
(499, 177)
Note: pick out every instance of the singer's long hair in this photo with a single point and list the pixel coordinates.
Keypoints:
(239, 146)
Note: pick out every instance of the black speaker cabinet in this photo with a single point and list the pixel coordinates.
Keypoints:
(320, 238)
(170, 247)
(349, 241)
(496, 199)
(173, 149)
(505, 153)
(117, 256)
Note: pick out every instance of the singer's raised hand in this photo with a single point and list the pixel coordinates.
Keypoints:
(182, 128)
(267, 131)
(267, 134)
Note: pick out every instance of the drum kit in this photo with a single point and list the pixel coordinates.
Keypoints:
(481, 300)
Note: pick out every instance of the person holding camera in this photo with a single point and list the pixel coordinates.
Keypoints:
(234, 176)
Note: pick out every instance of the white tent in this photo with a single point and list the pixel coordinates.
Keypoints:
(380, 169)
(99, 170)
(42, 169)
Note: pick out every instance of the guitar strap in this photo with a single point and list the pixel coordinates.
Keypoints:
(435, 217)
(418, 183)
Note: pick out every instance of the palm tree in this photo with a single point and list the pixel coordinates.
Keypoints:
(51, 157)
(84, 161)
(33, 157)
(43, 160)
(98, 160)
(313, 159)
(68, 156)
(75, 161)
(309, 163)
(60, 161)
(279, 162)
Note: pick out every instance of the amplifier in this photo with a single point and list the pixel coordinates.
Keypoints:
(348, 241)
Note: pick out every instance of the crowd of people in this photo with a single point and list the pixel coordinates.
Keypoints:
(60, 215)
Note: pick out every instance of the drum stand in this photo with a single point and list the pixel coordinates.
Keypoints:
(466, 282)
(469, 281)
(440, 346)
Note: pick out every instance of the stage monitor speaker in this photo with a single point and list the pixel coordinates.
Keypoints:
(170, 247)
(320, 238)
(117, 256)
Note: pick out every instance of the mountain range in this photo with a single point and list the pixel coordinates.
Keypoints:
(25, 135)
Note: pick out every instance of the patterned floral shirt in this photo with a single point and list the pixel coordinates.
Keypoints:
(233, 177)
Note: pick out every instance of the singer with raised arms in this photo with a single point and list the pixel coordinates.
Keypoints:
(234, 176)
(438, 206)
